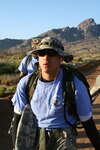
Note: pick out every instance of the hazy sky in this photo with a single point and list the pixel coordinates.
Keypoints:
(24, 19)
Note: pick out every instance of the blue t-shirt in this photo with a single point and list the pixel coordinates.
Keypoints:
(27, 69)
(47, 102)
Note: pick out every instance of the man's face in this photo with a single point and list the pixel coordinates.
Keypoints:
(49, 61)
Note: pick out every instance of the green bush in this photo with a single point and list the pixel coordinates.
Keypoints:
(6, 68)
(2, 90)
(11, 88)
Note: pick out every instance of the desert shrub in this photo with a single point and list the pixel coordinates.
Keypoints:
(6, 68)
(9, 63)
(9, 79)
(2, 90)
(6, 82)
(11, 88)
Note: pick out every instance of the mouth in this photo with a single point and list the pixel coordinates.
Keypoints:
(45, 64)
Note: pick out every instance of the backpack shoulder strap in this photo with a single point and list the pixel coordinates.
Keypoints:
(82, 78)
(69, 96)
(31, 84)
(69, 90)
(29, 57)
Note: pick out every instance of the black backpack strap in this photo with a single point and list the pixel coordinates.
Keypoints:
(82, 78)
(69, 94)
(68, 89)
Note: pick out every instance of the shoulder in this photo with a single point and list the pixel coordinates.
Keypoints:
(23, 82)
(24, 60)
(75, 75)
(78, 83)
(34, 59)
(80, 87)
(31, 60)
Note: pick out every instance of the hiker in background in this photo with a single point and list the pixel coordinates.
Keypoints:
(27, 64)
(53, 131)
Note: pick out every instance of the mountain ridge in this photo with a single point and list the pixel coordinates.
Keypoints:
(86, 31)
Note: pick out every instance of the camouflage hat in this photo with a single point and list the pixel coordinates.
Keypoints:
(49, 43)
(34, 43)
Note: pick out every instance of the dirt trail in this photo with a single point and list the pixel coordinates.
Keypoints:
(91, 71)
(83, 142)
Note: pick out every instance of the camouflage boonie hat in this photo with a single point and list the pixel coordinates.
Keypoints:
(34, 43)
(49, 43)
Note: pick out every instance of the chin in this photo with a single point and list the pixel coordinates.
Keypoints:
(45, 69)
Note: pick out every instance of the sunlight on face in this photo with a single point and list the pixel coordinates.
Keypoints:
(49, 64)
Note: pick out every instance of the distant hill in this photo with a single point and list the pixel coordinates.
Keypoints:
(84, 37)
(14, 45)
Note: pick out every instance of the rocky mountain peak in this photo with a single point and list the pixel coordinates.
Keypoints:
(85, 25)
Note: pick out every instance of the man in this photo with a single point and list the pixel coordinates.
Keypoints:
(47, 101)
(27, 65)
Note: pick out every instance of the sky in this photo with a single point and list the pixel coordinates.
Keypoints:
(25, 19)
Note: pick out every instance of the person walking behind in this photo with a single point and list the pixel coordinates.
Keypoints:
(27, 65)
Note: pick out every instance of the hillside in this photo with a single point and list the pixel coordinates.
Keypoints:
(84, 38)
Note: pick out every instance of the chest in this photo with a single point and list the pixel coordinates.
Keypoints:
(47, 96)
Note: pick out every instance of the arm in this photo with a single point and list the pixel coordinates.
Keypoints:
(22, 67)
(84, 109)
(92, 133)
(22, 74)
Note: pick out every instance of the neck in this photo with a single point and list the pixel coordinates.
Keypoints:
(50, 76)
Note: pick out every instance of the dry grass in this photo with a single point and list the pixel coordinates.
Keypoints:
(7, 79)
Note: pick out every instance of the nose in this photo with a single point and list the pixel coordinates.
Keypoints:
(46, 56)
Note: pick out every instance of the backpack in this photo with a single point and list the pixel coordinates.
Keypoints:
(68, 90)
